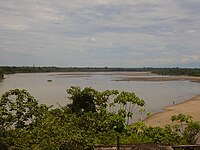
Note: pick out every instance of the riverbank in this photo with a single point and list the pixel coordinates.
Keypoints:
(161, 78)
(189, 107)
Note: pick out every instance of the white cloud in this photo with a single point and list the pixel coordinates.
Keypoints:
(97, 32)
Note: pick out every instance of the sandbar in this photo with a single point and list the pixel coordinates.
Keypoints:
(190, 107)
(161, 78)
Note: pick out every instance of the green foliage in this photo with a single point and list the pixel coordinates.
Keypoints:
(177, 71)
(161, 136)
(188, 129)
(191, 132)
(93, 118)
(140, 133)
(17, 109)
(127, 102)
(181, 118)
(88, 99)
(82, 100)
(84, 123)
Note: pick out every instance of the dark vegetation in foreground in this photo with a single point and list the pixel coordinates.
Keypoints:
(161, 71)
(92, 118)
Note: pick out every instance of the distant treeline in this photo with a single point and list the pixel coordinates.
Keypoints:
(177, 71)
(1, 73)
(28, 69)
(160, 71)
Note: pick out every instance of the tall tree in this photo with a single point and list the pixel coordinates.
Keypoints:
(113, 101)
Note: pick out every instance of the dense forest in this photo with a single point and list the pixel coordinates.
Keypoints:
(160, 71)
(91, 119)
(28, 69)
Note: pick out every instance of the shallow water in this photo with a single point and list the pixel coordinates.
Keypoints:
(156, 94)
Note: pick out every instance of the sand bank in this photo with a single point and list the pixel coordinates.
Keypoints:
(161, 78)
(190, 107)
(104, 73)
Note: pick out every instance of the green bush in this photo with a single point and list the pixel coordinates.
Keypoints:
(25, 124)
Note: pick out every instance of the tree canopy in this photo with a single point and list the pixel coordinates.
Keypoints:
(92, 118)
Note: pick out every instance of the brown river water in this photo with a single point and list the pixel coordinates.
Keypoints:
(156, 94)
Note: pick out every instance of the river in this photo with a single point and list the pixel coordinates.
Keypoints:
(156, 94)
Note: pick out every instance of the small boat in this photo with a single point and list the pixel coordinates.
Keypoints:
(49, 80)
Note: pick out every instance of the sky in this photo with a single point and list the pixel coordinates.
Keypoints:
(100, 33)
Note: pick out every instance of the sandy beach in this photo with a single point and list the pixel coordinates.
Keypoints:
(189, 107)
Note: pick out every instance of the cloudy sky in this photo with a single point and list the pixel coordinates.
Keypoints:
(99, 33)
